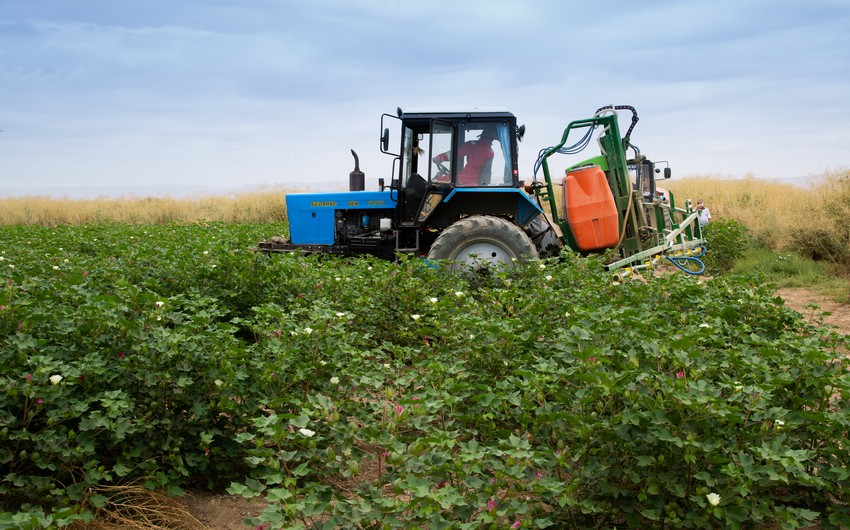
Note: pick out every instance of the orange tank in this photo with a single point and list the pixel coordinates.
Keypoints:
(591, 210)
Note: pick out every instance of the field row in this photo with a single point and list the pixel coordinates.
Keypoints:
(358, 392)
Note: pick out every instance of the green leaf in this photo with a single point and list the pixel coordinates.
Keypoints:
(98, 501)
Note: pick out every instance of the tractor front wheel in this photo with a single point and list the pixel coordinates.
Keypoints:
(481, 242)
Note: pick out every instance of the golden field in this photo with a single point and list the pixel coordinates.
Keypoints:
(814, 221)
(261, 206)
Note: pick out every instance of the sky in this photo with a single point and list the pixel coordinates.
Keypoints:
(104, 93)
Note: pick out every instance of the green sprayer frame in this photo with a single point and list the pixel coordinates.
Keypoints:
(650, 227)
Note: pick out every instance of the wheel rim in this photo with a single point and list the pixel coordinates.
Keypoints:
(483, 254)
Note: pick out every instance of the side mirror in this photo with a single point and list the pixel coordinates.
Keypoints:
(385, 140)
(668, 173)
(520, 132)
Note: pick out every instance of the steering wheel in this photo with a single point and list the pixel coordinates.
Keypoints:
(442, 171)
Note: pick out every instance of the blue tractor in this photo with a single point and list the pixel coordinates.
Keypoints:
(456, 195)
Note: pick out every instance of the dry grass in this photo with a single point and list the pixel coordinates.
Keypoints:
(813, 220)
(262, 206)
(134, 507)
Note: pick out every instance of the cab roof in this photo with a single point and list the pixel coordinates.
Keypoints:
(455, 113)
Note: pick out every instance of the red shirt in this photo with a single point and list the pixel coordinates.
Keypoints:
(477, 153)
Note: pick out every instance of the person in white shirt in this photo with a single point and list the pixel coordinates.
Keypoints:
(704, 213)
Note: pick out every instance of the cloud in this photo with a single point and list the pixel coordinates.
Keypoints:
(264, 91)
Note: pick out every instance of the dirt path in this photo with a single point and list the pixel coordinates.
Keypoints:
(798, 298)
(223, 512)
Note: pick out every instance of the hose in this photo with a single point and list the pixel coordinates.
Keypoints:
(573, 149)
(688, 258)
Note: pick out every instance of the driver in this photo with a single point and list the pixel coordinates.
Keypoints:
(479, 156)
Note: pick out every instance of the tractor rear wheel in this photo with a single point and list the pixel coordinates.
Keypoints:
(481, 242)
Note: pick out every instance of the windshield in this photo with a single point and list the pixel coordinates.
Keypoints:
(484, 154)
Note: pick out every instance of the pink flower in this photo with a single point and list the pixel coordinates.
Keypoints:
(491, 505)
(121, 355)
(680, 375)
(28, 377)
(398, 409)
(516, 524)
(592, 359)
(38, 401)
(538, 475)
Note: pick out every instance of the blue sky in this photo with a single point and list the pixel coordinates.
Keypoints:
(209, 92)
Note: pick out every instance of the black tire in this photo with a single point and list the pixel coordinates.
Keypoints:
(481, 242)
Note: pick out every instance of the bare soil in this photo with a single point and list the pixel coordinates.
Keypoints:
(222, 512)
(228, 512)
(799, 298)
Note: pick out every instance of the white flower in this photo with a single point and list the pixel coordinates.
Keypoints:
(11, 266)
(459, 293)
(548, 277)
(214, 265)
(56, 379)
(542, 265)
(306, 432)
(738, 386)
(66, 260)
(433, 299)
(567, 314)
(334, 380)
(713, 499)
(778, 424)
(218, 382)
(159, 304)
(308, 330)
(293, 333)
(704, 325)
(56, 267)
(338, 279)
(340, 314)
(386, 365)
(2, 258)
(206, 252)
(369, 268)
(415, 317)
(323, 362)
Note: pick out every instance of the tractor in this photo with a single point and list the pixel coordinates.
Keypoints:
(456, 197)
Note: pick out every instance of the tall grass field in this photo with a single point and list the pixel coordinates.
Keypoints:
(813, 221)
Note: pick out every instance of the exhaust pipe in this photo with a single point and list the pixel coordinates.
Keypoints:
(356, 179)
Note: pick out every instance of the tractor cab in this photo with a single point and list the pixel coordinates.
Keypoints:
(450, 165)
(442, 151)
